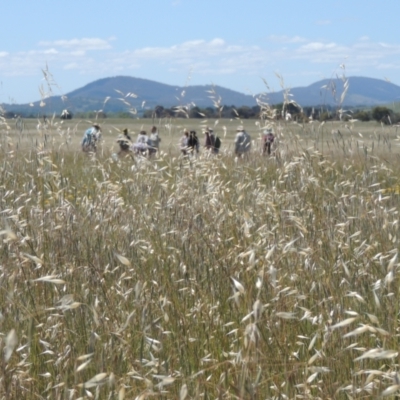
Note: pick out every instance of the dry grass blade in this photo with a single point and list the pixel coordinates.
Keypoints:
(169, 380)
(83, 365)
(10, 343)
(51, 279)
(183, 392)
(390, 390)
(343, 323)
(9, 234)
(378, 354)
(238, 286)
(97, 380)
(286, 315)
(35, 259)
(121, 393)
(358, 331)
(123, 260)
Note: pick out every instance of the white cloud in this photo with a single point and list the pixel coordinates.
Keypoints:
(286, 39)
(316, 47)
(51, 51)
(205, 58)
(78, 53)
(217, 42)
(81, 44)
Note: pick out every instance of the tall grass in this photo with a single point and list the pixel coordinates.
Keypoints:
(200, 278)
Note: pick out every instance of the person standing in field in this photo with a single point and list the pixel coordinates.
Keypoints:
(184, 142)
(215, 140)
(209, 141)
(90, 138)
(267, 140)
(212, 136)
(242, 142)
(193, 143)
(154, 141)
(124, 142)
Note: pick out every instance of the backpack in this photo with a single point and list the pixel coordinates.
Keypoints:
(217, 143)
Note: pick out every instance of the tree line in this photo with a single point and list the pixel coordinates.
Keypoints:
(381, 114)
(300, 114)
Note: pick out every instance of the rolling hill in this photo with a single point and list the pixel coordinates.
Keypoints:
(121, 93)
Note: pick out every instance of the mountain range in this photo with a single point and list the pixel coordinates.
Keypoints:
(124, 93)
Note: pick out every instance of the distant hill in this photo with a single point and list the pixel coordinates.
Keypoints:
(361, 92)
(121, 93)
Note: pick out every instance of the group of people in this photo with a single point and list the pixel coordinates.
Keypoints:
(243, 141)
(189, 143)
(144, 144)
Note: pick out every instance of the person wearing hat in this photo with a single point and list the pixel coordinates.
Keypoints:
(154, 141)
(268, 139)
(210, 140)
(141, 146)
(242, 141)
(124, 141)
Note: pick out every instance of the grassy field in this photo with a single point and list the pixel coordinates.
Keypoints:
(332, 137)
(213, 277)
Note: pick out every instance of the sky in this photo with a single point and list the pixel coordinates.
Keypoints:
(54, 47)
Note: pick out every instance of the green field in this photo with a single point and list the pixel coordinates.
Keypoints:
(202, 278)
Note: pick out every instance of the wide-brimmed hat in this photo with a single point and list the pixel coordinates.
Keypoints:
(268, 130)
(240, 128)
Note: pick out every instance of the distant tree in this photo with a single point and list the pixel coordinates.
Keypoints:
(382, 114)
(292, 109)
(91, 115)
(245, 112)
(210, 112)
(302, 117)
(66, 114)
(9, 114)
(362, 115)
(308, 111)
(196, 112)
(278, 107)
(158, 112)
(256, 111)
(126, 114)
(325, 116)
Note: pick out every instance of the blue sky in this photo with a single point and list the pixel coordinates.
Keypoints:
(235, 44)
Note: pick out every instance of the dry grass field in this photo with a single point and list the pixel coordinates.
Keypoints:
(202, 278)
(332, 137)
